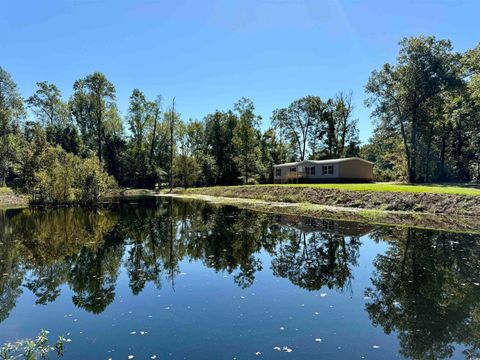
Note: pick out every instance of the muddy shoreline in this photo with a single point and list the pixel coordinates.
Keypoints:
(444, 222)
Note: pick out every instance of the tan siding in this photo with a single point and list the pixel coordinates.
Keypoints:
(355, 169)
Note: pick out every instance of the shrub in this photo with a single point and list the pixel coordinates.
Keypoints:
(93, 182)
(55, 183)
(66, 178)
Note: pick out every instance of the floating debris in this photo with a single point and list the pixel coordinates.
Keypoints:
(153, 357)
(282, 328)
(287, 349)
(277, 348)
(133, 332)
(130, 357)
(318, 340)
(376, 347)
(258, 353)
(323, 294)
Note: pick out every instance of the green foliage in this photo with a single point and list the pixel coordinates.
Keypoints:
(92, 181)
(426, 109)
(93, 107)
(55, 183)
(48, 106)
(187, 170)
(246, 140)
(31, 349)
(11, 112)
(321, 129)
(65, 178)
(423, 102)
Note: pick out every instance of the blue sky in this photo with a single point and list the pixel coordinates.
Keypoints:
(210, 53)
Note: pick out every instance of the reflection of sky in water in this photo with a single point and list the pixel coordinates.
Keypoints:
(205, 315)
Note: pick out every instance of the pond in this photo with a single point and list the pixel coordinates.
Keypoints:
(175, 279)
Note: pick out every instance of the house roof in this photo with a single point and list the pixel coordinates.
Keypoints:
(329, 161)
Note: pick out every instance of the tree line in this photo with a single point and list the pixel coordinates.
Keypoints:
(425, 109)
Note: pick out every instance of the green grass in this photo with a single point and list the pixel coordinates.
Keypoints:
(395, 187)
(5, 191)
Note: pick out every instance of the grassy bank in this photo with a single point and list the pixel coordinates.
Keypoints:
(447, 200)
(8, 199)
(396, 187)
(450, 223)
(442, 207)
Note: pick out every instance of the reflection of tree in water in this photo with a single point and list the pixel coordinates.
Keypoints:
(315, 259)
(84, 249)
(11, 270)
(46, 245)
(426, 287)
(93, 276)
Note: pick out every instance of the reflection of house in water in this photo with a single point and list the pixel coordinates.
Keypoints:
(337, 227)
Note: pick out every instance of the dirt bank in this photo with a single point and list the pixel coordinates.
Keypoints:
(441, 212)
(446, 204)
(8, 199)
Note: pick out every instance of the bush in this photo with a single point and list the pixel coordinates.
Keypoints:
(65, 178)
(56, 183)
(93, 182)
(252, 181)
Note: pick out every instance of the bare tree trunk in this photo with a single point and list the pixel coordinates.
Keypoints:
(154, 135)
(171, 143)
(442, 153)
(412, 175)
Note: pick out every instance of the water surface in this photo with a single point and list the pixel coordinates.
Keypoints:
(186, 280)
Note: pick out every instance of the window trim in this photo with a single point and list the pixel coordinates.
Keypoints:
(327, 169)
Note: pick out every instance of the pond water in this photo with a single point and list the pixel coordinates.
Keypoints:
(174, 279)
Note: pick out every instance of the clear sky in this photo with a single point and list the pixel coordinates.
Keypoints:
(210, 53)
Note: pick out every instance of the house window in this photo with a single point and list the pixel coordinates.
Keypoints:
(327, 170)
(278, 172)
(293, 169)
(310, 170)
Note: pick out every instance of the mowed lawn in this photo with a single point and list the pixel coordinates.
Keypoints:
(394, 187)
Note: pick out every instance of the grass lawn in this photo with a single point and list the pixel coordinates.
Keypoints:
(395, 187)
(5, 190)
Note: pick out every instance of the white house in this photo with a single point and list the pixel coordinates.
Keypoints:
(318, 171)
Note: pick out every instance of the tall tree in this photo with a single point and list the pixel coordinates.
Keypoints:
(11, 112)
(299, 120)
(47, 105)
(92, 102)
(400, 94)
(246, 139)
